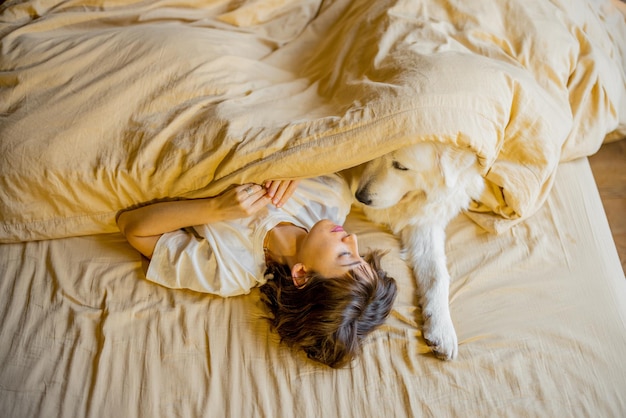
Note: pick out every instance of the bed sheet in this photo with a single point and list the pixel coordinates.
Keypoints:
(540, 312)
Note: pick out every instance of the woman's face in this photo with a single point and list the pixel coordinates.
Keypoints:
(329, 250)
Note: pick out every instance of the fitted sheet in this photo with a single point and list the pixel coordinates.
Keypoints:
(540, 312)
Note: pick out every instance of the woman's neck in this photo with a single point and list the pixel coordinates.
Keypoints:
(282, 243)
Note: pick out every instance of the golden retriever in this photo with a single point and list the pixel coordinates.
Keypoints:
(416, 191)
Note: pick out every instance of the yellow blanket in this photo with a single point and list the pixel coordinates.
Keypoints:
(106, 104)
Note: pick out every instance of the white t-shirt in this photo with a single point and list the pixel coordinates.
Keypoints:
(226, 258)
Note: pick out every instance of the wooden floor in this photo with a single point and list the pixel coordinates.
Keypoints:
(609, 169)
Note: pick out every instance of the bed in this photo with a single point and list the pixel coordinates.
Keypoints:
(106, 104)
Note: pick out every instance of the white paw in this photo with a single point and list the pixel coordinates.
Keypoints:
(440, 336)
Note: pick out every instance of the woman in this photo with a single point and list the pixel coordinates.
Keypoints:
(324, 296)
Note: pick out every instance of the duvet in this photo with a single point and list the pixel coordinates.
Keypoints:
(107, 104)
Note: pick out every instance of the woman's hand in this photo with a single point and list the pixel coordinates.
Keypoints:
(279, 191)
(241, 201)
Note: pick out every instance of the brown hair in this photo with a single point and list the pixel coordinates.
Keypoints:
(329, 318)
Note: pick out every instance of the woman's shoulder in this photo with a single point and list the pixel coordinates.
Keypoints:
(329, 189)
(331, 181)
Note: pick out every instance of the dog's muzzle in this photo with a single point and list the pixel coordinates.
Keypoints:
(363, 196)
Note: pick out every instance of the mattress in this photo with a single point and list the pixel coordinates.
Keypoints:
(540, 312)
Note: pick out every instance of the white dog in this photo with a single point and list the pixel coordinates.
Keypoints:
(416, 191)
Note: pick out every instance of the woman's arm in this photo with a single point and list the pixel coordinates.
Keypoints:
(143, 226)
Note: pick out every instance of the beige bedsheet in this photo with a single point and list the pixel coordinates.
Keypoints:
(106, 104)
(540, 312)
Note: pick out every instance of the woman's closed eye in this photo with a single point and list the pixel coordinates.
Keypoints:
(348, 260)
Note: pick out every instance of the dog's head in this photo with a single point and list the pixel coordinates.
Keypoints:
(426, 168)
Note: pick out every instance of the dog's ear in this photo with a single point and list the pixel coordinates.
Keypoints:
(453, 163)
(352, 176)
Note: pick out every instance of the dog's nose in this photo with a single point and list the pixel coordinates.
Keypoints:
(363, 196)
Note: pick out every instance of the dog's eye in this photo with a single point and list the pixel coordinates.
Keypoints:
(399, 166)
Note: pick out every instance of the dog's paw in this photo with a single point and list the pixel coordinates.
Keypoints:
(440, 336)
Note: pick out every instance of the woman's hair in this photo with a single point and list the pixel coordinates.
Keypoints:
(329, 318)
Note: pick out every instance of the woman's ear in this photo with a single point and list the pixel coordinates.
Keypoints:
(298, 275)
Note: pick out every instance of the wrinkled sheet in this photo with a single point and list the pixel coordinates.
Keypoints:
(540, 311)
(107, 104)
